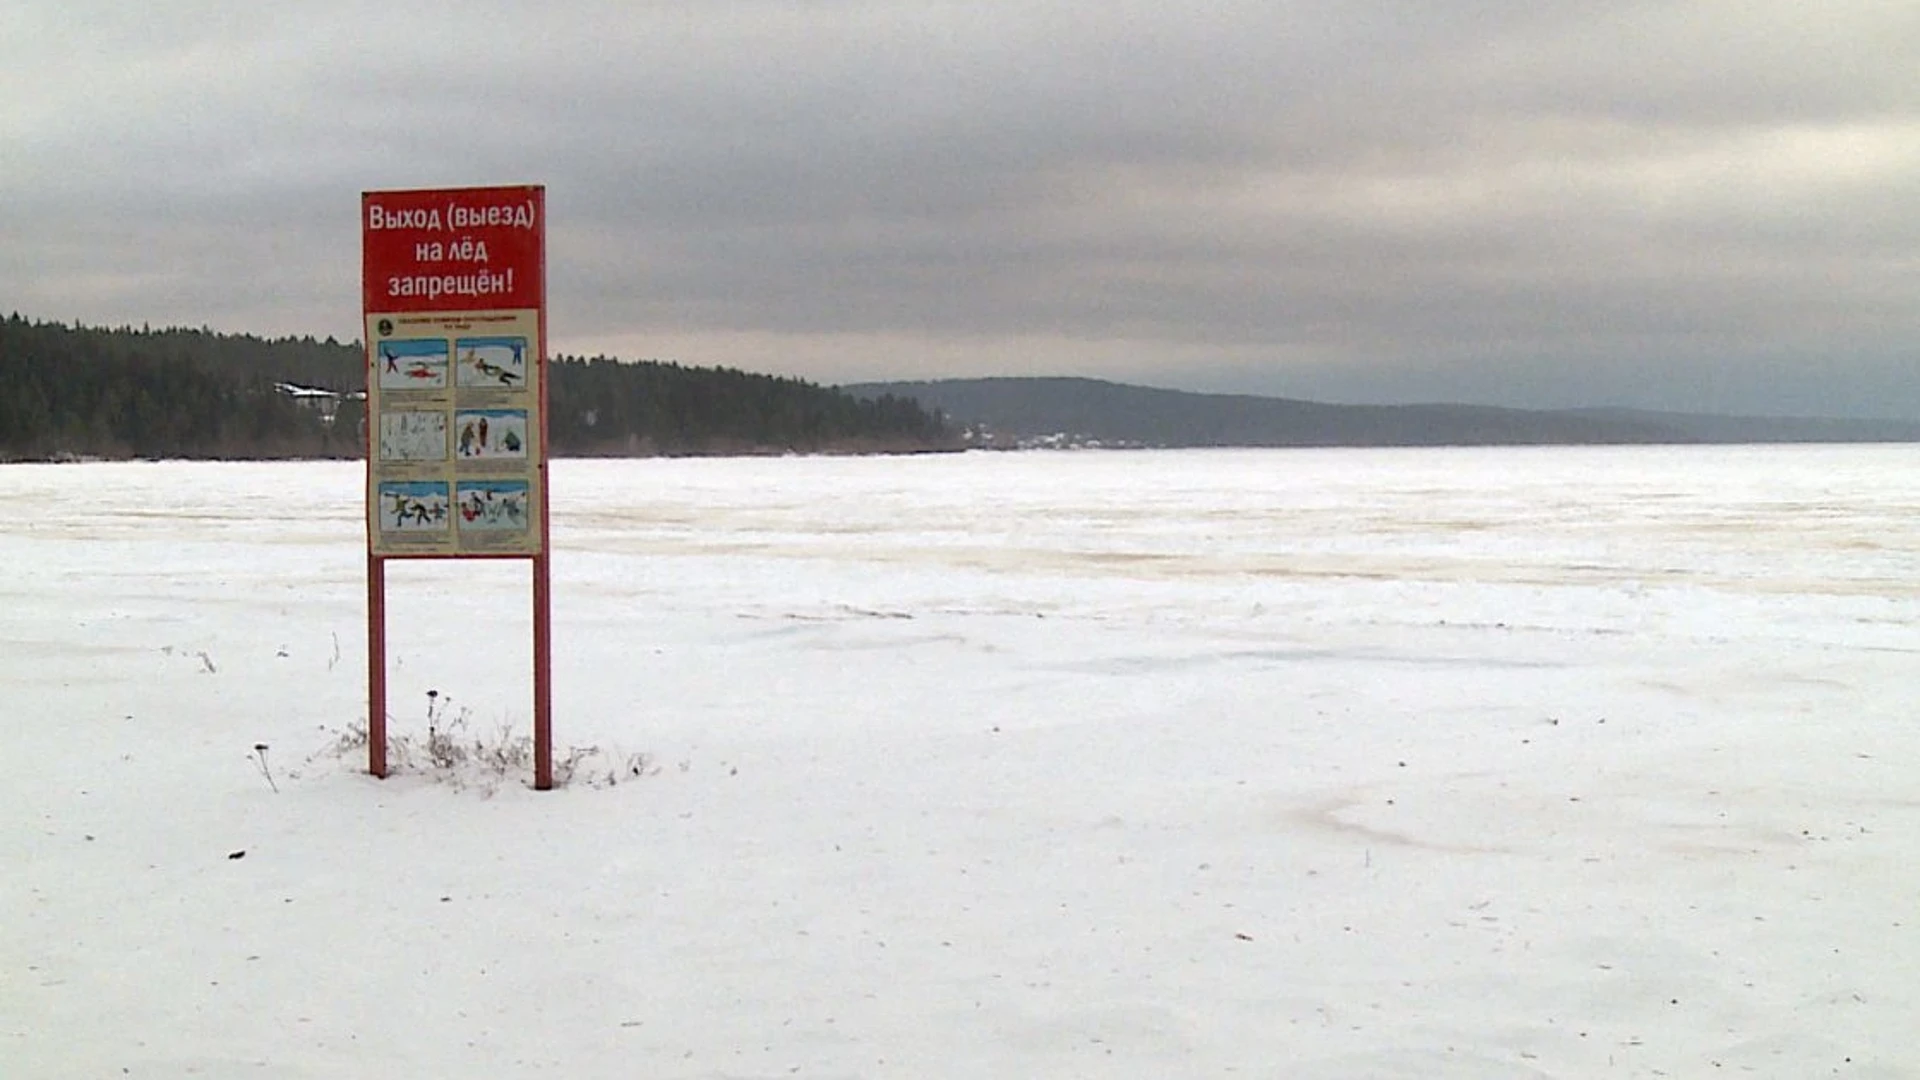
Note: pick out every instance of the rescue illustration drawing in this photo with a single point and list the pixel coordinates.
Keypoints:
(411, 363)
(492, 505)
(413, 435)
(491, 433)
(492, 362)
(413, 506)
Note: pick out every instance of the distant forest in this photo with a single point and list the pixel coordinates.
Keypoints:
(73, 391)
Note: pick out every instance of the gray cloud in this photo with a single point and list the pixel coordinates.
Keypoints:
(1691, 204)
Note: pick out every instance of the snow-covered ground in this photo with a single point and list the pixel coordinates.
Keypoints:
(1444, 763)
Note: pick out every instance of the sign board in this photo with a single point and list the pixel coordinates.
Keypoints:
(454, 296)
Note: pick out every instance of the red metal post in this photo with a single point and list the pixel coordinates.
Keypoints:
(542, 675)
(376, 665)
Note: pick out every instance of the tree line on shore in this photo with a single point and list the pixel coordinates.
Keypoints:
(95, 392)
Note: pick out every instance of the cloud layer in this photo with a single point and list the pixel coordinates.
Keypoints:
(1687, 203)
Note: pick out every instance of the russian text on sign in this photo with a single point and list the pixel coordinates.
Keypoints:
(433, 286)
(469, 217)
(466, 249)
(413, 217)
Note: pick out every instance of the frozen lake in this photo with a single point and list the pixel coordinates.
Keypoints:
(1330, 763)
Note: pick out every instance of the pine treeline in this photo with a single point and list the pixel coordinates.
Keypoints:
(74, 391)
(71, 391)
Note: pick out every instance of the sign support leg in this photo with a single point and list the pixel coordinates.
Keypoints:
(542, 674)
(377, 666)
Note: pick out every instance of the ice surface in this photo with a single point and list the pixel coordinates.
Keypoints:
(1444, 763)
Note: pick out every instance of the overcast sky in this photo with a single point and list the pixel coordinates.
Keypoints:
(1689, 204)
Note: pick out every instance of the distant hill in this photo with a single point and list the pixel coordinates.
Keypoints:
(1026, 411)
(74, 391)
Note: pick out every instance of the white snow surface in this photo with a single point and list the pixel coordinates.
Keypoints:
(1343, 763)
